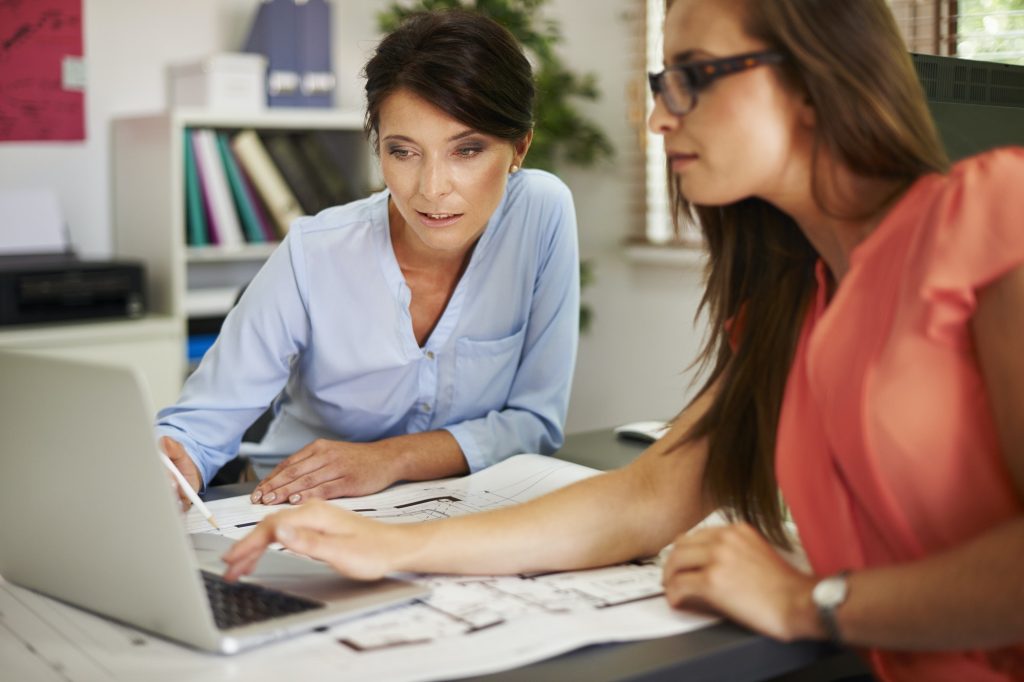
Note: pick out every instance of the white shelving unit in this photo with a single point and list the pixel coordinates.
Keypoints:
(149, 205)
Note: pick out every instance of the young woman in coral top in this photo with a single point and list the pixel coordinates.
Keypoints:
(870, 306)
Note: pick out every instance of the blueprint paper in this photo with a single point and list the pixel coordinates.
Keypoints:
(469, 625)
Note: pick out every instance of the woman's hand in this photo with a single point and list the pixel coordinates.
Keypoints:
(354, 546)
(733, 570)
(176, 453)
(326, 469)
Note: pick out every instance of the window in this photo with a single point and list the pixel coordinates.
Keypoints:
(986, 30)
(660, 229)
(659, 215)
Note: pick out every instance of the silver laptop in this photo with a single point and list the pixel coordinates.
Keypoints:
(89, 517)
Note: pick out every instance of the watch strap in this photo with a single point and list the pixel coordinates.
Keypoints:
(827, 612)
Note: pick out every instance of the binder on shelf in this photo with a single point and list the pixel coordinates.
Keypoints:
(204, 192)
(314, 46)
(295, 37)
(213, 178)
(333, 187)
(286, 158)
(346, 153)
(195, 217)
(202, 332)
(243, 203)
(274, 34)
(269, 183)
(197, 346)
(267, 226)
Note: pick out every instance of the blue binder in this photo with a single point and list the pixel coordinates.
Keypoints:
(318, 80)
(274, 34)
(296, 40)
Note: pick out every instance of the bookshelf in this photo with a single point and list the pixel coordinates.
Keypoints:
(186, 281)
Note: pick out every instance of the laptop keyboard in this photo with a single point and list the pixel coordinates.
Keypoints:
(236, 604)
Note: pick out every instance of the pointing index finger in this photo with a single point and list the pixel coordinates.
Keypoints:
(244, 554)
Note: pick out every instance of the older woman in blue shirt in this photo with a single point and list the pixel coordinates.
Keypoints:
(426, 331)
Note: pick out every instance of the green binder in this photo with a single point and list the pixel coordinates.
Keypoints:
(246, 211)
(195, 216)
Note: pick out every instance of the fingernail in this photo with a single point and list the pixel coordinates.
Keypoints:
(270, 497)
(285, 534)
(256, 495)
(295, 499)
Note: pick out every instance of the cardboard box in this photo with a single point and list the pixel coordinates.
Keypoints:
(230, 81)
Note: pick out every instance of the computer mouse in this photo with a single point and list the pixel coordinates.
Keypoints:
(646, 431)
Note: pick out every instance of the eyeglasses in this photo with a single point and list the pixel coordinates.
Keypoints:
(678, 85)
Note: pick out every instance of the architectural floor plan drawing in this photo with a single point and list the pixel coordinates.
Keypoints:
(464, 605)
(515, 480)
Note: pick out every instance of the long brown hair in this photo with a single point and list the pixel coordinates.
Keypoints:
(849, 60)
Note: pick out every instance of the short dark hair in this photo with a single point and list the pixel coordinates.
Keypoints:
(462, 62)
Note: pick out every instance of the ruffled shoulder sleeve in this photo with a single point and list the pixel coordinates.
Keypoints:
(974, 234)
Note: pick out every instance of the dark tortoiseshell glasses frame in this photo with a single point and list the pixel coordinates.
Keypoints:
(678, 85)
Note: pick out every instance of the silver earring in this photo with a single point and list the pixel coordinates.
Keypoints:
(513, 169)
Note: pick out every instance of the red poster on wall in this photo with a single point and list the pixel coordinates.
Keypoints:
(42, 74)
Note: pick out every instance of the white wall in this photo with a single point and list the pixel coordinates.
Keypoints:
(630, 363)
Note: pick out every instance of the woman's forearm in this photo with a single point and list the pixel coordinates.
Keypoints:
(617, 516)
(424, 456)
(624, 514)
(969, 597)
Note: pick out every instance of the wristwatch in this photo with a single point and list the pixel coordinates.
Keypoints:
(828, 595)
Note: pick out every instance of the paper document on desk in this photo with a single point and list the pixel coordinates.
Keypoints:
(470, 625)
(513, 620)
(516, 479)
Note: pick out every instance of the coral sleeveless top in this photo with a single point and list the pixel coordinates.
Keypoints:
(887, 448)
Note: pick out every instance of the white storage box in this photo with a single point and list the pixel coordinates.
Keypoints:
(228, 81)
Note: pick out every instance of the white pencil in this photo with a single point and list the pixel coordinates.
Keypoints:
(189, 492)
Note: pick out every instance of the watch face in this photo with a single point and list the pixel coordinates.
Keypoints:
(830, 592)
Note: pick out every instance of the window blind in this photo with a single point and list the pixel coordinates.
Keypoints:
(659, 227)
(985, 30)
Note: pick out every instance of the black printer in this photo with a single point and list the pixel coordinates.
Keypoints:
(58, 287)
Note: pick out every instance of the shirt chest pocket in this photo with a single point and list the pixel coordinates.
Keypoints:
(484, 372)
